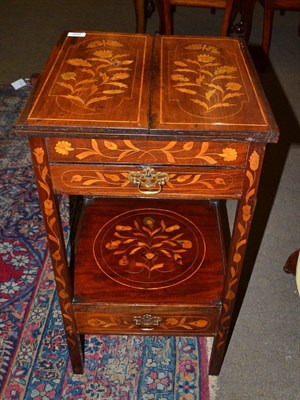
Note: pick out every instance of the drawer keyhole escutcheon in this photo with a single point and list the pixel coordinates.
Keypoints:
(147, 322)
(148, 181)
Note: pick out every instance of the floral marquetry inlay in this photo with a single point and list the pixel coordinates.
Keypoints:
(96, 78)
(202, 77)
(149, 249)
(101, 80)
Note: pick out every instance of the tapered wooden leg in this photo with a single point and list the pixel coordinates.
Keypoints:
(140, 15)
(160, 10)
(243, 219)
(268, 19)
(57, 250)
(227, 17)
(165, 14)
(248, 17)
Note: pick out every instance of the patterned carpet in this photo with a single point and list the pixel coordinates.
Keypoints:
(34, 362)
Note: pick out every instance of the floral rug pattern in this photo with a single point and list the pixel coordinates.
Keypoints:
(34, 361)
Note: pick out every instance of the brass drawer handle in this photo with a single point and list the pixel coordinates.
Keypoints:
(147, 322)
(149, 182)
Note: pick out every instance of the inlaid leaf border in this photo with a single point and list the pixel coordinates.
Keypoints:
(237, 259)
(57, 255)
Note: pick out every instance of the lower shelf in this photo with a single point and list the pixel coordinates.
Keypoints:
(149, 267)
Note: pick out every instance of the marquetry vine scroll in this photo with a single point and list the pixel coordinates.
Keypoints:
(172, 151)
(185, 323)
(112, 323)
(86, 178)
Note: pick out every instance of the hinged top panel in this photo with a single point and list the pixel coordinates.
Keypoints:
(208, 85)
(162, 86)
(100, 80)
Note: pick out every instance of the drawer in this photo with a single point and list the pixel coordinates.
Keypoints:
(147, 323)
(147, 152)
(165, 182)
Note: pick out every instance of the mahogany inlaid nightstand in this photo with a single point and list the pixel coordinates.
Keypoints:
(153, 132)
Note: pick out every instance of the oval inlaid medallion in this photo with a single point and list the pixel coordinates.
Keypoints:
(149, 248)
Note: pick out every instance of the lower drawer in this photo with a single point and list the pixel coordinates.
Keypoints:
(156, 323)
(165, 182)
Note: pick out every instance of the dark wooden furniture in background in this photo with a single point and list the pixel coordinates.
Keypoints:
(145, 8)
(269, 7)
(230, 25)
(166, 14)
(154, 132)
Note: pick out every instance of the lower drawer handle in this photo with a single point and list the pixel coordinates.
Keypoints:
(149, 182)
(147, 322)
